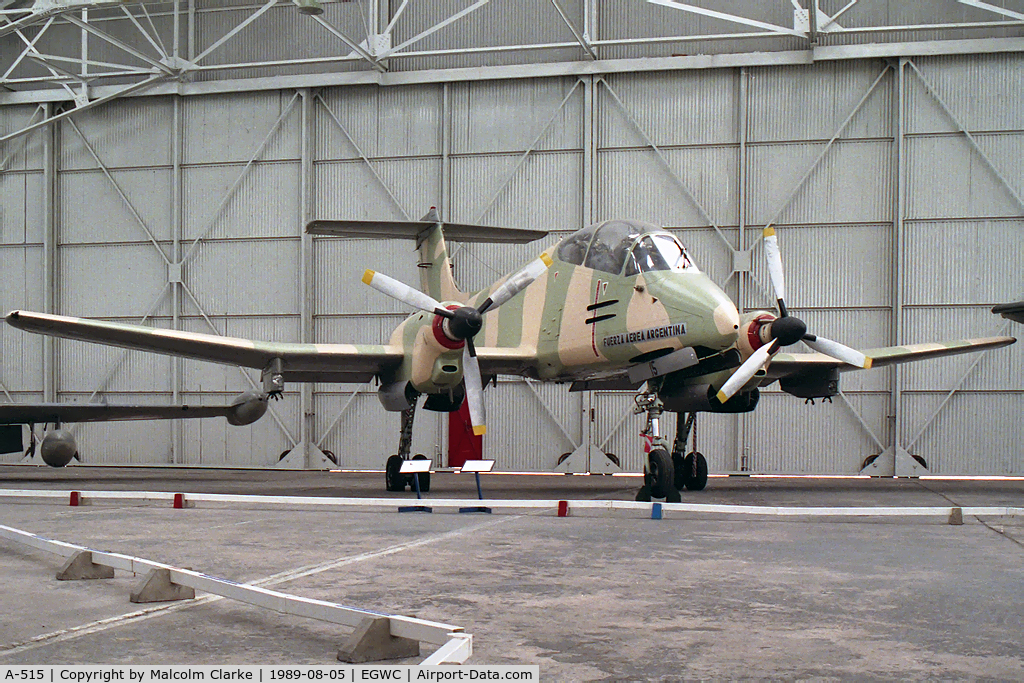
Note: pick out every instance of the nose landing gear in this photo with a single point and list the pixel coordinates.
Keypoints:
(666, 475)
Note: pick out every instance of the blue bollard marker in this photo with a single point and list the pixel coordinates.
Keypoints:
(656, 511)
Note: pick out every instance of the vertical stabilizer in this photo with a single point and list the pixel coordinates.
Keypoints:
(436, 276)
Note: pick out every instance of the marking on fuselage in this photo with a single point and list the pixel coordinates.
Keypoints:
(650, 334)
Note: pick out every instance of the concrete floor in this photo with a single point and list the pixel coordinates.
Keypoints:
(585, 598)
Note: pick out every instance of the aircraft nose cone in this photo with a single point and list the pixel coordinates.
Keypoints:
(727, 319)
(788, 330)
(465, 322)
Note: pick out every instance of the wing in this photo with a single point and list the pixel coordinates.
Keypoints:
(495, 360)
(789, 364)
(28, 413)
(302, 362)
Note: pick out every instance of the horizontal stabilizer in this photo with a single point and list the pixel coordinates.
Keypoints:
(1014, 311)
(417, 230)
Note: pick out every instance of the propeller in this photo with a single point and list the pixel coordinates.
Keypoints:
(463, 323)
(784, 330)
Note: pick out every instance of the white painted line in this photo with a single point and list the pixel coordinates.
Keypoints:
(196, 499)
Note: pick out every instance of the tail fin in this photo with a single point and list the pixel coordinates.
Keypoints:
(429, 232)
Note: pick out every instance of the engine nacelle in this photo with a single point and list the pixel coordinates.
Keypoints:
(247, 407)
(820, 384)
(397, 396)
(700, 398)
(448, 402)
(58, 448)
(754, 332)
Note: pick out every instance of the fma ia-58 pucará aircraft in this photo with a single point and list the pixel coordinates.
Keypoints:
(616, 305)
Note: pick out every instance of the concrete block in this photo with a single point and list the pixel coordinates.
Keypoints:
(372, 642)
(956, 516)
(156, 586)
(80, 567)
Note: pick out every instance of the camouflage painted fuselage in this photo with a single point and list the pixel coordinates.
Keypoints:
(573, 322)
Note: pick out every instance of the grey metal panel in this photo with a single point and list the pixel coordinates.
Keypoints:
(111, 280)
(947, 179)
(382, 122)
(996, 369)
(225, 128)
(365, 435)
(618, 436)
(478, 266)
(533, 21)
(960, 262)
(977, 434)
(281, 34)
(619, 19)
(851, 183)
(339, 267)
(264, 203)
(351, 190)
(828, 438)
(833, 265)
(108, 219)
(811, 102)
(246, 277)
(511, 405)
(122, 133)
(21, 210)
(85, 368)
(24, 153)
(124, 443)
(366, 328)
(543, 191)
(979, 89)
(635, 184)
(672, 109)
(710, 252)
(497, 116)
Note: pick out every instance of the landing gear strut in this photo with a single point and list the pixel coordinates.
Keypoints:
(691, 470)
(659, 477)
(394, 480)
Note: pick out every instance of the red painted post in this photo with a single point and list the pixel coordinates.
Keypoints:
(75, 499)
(179, 501)
(563, 508)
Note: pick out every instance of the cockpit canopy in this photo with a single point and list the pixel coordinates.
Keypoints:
(625, 248)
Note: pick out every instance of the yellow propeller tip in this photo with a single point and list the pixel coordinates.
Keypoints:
(546, 259)
(368, 276)
(722, 398)
(867, 363)
(479, 430)
(769, 231)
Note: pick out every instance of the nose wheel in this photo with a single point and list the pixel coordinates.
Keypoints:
(659, 471)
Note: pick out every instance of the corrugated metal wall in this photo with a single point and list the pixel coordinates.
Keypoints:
(215, 182)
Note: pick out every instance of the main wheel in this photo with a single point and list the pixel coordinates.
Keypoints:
(695, 468)
(424, 477)
(394, 480)
(659, 473)
(679, 471)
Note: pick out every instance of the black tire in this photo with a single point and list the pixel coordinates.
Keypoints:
(424, 477)
(679, 467)
(394, 480)
(659, 477)
(695, 467)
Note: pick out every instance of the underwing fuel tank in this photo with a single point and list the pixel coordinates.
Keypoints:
(58, 448)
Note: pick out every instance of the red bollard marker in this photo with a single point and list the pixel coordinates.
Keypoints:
(75, 499)
(563, 508)
(179, 501)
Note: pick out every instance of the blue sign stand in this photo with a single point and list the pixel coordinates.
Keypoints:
(476, 467)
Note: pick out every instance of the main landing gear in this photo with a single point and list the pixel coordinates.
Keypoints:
(666, 475)
(394, 480)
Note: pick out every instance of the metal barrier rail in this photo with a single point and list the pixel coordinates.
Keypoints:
(555, 506)
(456, 646)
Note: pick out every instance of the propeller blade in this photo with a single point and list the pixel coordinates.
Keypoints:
(745, 372)
(404, 293)
(774, 256)
(474, 389)
(837, 351)
(517, 283)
